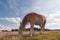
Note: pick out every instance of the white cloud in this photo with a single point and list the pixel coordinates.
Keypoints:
(53, 4)
(55, 16)
(49, 24)
(54, 19)
(12, 19)
(28, 26)
(57, 19)
(3, 27)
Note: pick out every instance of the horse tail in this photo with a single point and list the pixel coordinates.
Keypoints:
(45, 21)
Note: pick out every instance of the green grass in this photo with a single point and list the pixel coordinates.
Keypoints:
(45, 36)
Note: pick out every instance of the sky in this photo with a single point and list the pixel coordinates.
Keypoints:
(13, 11)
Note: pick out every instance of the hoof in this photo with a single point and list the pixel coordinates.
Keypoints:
(31, 35)
(41, 33)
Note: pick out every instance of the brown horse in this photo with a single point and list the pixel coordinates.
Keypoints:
(33, 19)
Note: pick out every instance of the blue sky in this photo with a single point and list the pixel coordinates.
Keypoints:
(13, 11)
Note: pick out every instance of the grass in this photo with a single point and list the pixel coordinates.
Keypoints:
(48, 35)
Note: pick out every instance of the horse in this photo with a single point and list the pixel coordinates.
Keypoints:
(34, 19)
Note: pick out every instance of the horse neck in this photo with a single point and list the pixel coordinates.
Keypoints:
(24, 23)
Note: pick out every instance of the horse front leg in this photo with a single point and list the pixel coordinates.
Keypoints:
(21, 30)
(32, 30)
(20, 33)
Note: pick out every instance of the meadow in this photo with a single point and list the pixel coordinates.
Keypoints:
(48, 35)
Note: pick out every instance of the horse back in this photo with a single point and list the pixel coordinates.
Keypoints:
(36, 18)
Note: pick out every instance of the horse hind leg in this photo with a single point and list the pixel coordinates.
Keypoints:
(42, 29)
(32, 30)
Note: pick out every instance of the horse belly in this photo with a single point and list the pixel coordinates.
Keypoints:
(37, 22)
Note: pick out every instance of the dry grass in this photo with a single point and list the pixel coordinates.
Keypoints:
(48, 35)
